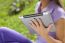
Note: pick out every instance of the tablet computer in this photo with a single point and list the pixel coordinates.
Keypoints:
(45, 17)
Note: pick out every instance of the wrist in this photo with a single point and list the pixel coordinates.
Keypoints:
(44, 35)
(48, 39)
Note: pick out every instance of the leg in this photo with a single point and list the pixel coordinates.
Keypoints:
(11, 36)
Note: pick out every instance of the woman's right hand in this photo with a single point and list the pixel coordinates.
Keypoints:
(39, 27)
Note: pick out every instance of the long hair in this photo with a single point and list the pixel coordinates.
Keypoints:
(58, 3)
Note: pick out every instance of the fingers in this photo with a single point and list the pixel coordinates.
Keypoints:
(32, 24)
(41, 23)
(37, 22)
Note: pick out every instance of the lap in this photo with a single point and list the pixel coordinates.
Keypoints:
(9, 36)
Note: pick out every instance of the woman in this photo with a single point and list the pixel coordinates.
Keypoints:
(57, 14)
(10, 36)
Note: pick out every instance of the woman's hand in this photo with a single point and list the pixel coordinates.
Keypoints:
(39, 27)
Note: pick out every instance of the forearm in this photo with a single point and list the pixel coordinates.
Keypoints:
(64, 32)
(63, 40)
(60, 27)
(48, 39)
(64, 36)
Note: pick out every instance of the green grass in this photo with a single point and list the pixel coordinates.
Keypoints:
(13, 22)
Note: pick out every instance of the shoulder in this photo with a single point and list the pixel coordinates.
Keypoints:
(61, 10)
(58, 13)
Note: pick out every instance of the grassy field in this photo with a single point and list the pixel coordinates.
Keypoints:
(14, 22)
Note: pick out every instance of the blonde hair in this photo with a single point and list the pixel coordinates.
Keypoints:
(62, 2)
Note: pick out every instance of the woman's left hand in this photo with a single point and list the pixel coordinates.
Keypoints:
(39, 27)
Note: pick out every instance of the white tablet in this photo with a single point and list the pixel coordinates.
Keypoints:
(45, 17)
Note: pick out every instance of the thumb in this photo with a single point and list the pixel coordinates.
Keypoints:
(49, 27)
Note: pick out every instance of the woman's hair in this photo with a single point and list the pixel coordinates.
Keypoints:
(58, 3)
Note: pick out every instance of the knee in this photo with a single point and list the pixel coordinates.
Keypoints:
(3, 29)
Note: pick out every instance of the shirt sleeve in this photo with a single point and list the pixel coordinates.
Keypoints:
(58, 14)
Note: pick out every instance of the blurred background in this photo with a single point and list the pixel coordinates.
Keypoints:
(10, 10)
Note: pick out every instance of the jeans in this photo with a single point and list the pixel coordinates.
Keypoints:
(11, 36)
